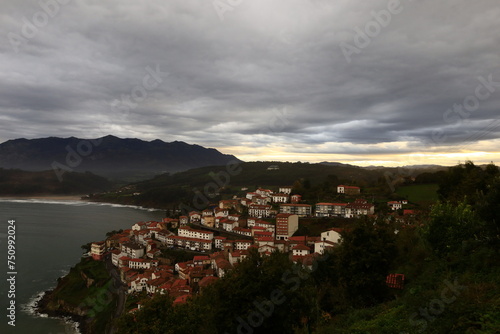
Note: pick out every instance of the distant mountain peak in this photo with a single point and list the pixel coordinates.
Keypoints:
(109, 156)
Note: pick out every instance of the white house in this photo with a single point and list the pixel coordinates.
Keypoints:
(221, 212)
(219, 242)
(264, 192)
(332, 235)
(280, 198)
(229, 225)
(395, 205)
(285, 190)
(183, 220)
(139, 226)
(133, 250)
(194, 217)
(196, 234)
(348, 190)
(256, 210)
(359, 207)
(142, 264)
(242, 244)
(321, 246)
(330, 209)
(302, 210)
(242, 231)
(301, 250)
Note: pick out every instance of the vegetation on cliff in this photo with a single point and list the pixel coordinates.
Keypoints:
(84, 294)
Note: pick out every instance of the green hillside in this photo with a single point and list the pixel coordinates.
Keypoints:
(15, 182)
(419, 193)
(315, 180)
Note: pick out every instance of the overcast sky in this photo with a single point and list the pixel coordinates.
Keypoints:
(363, 82)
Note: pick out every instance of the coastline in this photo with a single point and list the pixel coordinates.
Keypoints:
(33, 308)
(44, 197)
(73, 198)
(40, 308)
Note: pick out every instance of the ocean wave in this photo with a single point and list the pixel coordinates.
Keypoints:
(76, 203)
(30, 308)
(73, 325)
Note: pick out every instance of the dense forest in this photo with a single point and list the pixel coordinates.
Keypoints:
(449, 258)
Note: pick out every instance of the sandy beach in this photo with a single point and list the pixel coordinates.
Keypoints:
(47, 197)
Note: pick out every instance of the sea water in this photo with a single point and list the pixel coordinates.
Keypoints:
(48, 239)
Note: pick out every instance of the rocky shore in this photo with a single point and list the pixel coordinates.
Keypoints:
(51, 305)
(78, 296)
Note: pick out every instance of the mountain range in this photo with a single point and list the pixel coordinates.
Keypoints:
(127, 159)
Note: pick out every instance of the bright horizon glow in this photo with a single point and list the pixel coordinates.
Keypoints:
(395, 160)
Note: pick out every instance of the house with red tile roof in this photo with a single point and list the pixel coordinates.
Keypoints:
(359, 207)
(257, 210)
(302, 210)
(201, 260)
(243, 231)
(295, 198)
(194, 217)
(242, 244)
(139, 226)
(97, 250)
(267, 249)
(330, 209)
(395, 281)
(183, 220)
(348, 190)
(229, 225)
(207, 281)
(323, 246)
(301, 250)
(280, 198)
(332, 235)
(264, 241)
(219, 242)
(264, 192)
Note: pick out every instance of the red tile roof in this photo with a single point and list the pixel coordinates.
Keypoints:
(395, 281)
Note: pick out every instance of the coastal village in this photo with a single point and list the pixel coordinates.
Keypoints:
(221, 236)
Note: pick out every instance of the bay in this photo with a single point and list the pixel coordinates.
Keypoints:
(48, 239)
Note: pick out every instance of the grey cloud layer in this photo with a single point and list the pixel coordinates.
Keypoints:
(270, 72)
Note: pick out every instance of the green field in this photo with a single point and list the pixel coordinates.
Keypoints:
(419, 193)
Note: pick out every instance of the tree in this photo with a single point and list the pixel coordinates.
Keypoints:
(86, 247)
(466, 182)
(489, 211)
(364, 259)
(450, 225)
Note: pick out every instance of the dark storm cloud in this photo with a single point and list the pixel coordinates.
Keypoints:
(270, 72)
